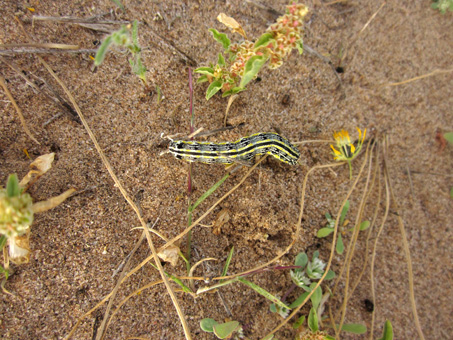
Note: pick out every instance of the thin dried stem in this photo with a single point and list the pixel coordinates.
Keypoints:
(433, 73)
(351, 248)
(407, 253)
(373, 257)
(18, 110)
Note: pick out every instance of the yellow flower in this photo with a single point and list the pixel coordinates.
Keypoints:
(347, 151)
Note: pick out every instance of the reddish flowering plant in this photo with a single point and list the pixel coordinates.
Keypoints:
(231, 74)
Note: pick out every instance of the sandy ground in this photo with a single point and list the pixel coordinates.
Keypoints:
(77, 246)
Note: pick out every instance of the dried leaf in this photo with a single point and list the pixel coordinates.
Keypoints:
(38, 168)
(170, 254)
(52, 202)
(222, 218)
(19, 248)
(231, 23)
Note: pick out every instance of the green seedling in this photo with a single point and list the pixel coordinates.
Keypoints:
(241, 62)
(330, 227)
(443, 5)
(387, 333)
(227, 330)
(126, 37)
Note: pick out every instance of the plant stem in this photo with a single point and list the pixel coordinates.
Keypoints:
(189, 179)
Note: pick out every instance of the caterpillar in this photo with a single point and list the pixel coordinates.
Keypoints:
(242, 150)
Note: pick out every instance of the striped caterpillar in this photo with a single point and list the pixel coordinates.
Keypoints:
(242, 150)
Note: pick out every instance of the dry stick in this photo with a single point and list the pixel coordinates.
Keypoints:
(332, 249)
(75, 20)
(343, 266)
(373, 221)
(384, 219)
(313, 141)
(43, 45)
(230, 101)
(19, 112)
(123, 192)
(371, 18)
(351, 248)
(45, 51)
(354, 40)
(405, 246)
(437, 71)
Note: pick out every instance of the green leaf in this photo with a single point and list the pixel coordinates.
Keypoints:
(205, 70)
(135, 35)
(449, 137)
(221, 60)
(221, 38)
(227, 262)
(208, 192)
(344, 211)
(330, 221)
(328, 337)
(12, 186)
(301, 260)
(387, 334)
(323, 232)
(252, 67)
(365, 225)
(299, 300)
(299, 322)
(5, 272)
(102, 51)
(3, 240)
(340, 245)
(264, 40)
(316, 297)
(269, 337)
(119, 4)
(224, 330)
(300, 46)
(330, 275)
(208, 324)
(176, 280)
(215, 87)
(451, 192)
(355, 328)
(202, 79)
(263, 292)
(273, 308)
(234, 90)
(313, 320)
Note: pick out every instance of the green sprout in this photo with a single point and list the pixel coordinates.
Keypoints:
(443, 5)
(126, 37)
(330, 227)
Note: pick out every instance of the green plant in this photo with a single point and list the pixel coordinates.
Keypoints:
(17, 211)
(442, 5)
(222, 330)
(126, 37)
(329, 228)
(241, 62)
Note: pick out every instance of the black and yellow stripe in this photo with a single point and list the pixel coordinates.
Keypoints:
(243, 149)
